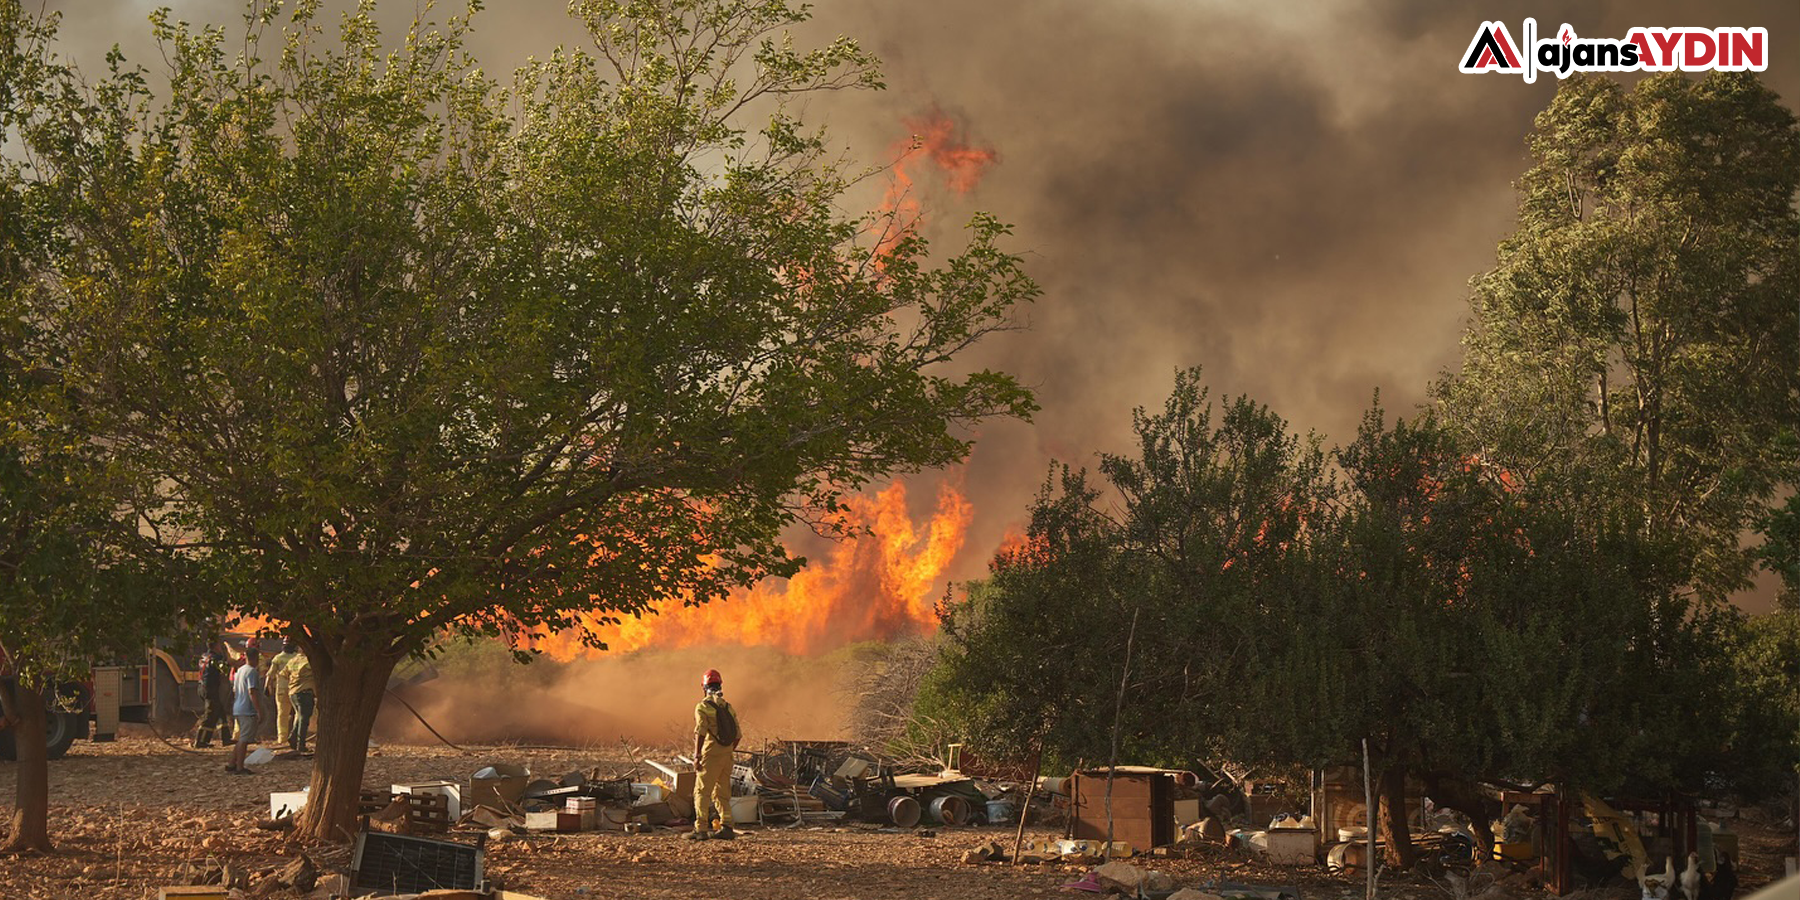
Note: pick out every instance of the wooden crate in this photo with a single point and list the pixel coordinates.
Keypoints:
(427, 812)
(370, 802)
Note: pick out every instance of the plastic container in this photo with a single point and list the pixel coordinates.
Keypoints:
(999, 812)
(949, 810)
(746, 810)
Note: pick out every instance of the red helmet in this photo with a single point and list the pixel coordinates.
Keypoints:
(711, 678)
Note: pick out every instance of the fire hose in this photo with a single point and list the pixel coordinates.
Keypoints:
(434, 731)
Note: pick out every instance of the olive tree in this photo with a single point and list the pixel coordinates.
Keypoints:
(403, 350)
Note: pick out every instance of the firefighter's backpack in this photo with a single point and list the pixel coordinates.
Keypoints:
(726, 723)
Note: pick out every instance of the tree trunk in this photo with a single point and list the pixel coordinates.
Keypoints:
(31, 806)
(1465, 798)
(349, 694)
(1396, 833)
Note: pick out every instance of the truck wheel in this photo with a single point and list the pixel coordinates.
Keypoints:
(61, 729)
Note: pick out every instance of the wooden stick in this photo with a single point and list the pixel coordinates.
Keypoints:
(1037, 768)
(1368, 822)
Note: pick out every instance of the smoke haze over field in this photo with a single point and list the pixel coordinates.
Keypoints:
(1293, 196)
(644, 698)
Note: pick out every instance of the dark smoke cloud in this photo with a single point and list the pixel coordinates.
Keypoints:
(1294, 198)
(1291, 195)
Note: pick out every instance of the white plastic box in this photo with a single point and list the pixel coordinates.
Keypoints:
(1293, 846)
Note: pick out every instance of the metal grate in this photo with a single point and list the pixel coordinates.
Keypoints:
(402, 864)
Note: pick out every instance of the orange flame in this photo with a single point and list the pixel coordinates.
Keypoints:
(878, 585)
(934, 137)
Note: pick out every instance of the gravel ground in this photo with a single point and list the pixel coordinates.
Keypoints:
(133, 815)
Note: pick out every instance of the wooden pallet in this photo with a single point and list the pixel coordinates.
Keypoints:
(427, 812)
(370, 802)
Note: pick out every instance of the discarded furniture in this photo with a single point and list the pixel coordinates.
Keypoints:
(1143, 805)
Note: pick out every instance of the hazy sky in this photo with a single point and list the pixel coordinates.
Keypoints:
(1293, 196)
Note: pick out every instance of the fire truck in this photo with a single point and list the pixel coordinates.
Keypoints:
(162, 691)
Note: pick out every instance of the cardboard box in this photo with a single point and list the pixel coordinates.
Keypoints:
(1293, 846)
(542, 821)
(286, 803)
(501, 791)
(681, 794)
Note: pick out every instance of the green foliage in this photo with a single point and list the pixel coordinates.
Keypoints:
(1635, 338)
(1473, 626)
(1488, 631)
(1780, 550)
(75, 584)
(1766, 739)
(1163, 596)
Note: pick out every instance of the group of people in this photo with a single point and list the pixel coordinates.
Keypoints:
(240, 692)
(247, 686)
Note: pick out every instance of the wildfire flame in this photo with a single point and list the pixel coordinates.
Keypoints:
(875, 586)
(935, 138)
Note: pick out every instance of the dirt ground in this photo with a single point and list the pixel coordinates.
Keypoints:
(130, 816)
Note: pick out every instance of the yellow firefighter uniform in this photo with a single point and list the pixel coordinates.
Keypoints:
(284, 704)
(712, 785)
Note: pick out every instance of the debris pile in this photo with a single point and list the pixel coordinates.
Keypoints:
(813, 782)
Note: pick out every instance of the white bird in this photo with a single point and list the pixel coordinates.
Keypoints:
(1690, 879)
(1656, 887)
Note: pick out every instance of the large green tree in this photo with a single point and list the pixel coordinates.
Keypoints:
(1482, 632)
(404, 351)
(1134, 602)
(1639, 335)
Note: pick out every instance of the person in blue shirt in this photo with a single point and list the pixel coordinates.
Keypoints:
(247, 708)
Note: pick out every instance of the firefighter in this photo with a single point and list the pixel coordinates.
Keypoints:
(300, 693)
(266, 726)
(716, 734)
(278, 684)
(215, 689)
